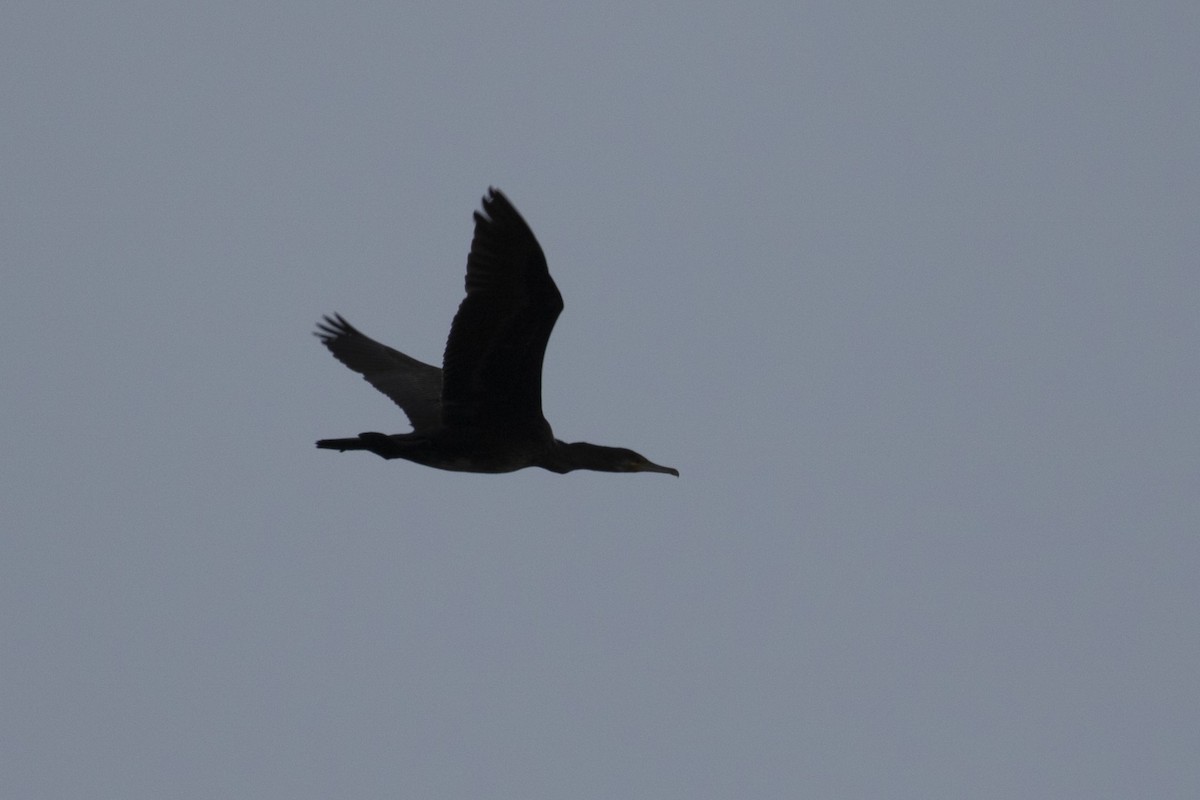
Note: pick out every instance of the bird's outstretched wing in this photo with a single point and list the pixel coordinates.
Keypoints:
(413, 385)
(493, 362)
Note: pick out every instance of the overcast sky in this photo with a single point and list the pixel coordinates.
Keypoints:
(908, 292)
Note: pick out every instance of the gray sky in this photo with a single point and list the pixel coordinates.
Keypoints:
(907, 291)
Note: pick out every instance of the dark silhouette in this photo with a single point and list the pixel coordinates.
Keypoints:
(482, 412)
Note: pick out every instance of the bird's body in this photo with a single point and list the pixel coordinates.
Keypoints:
(482, 412)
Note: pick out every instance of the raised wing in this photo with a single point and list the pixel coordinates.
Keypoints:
(493, 361)
(413, 385)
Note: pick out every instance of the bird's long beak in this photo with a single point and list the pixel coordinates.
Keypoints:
(650, 466)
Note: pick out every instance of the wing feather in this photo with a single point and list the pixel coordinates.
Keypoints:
(493, 360)
(413, 385)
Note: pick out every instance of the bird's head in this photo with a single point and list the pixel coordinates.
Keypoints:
(636, 462)
(582, 455)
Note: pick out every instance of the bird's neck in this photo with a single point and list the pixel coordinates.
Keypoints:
(563, 457)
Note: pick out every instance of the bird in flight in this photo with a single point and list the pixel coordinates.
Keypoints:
(482, 411)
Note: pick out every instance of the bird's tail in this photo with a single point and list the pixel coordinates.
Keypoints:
(342, 445)
(380, 444)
